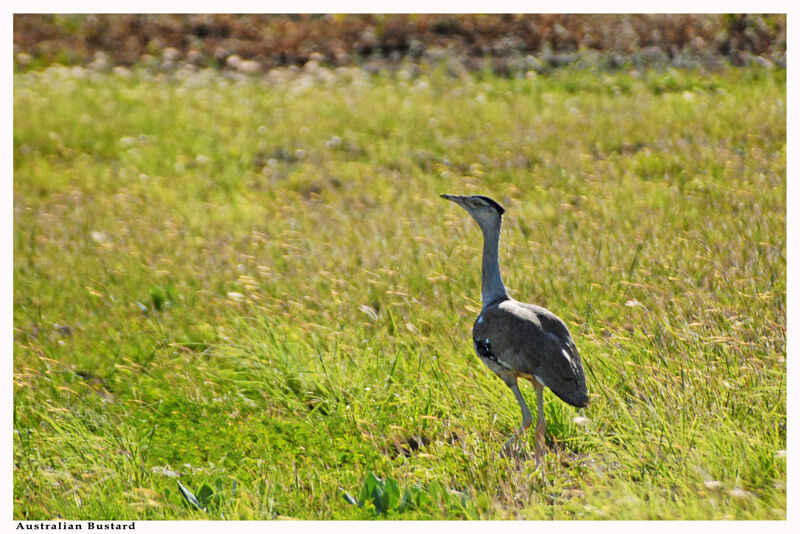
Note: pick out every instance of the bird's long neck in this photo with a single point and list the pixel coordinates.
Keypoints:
(492, 287)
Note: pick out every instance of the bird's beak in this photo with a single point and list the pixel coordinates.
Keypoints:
(453, 198)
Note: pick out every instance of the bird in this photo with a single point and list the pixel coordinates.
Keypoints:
(519, 340)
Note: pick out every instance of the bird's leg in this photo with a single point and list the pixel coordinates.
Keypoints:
(540, 424)
(527, 418)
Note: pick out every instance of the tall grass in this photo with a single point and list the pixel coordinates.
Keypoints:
(253, 288)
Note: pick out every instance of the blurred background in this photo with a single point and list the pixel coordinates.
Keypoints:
(506, 44)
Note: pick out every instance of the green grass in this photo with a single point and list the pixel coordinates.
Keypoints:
(257, 286)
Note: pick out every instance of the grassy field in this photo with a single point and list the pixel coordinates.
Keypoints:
(252, 292)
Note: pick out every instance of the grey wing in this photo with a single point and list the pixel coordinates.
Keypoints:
(536, 343)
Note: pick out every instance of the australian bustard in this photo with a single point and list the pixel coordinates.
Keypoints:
(515, 339)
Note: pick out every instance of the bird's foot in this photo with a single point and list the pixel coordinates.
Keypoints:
(515, 449)
(541, 448)
(539, 456)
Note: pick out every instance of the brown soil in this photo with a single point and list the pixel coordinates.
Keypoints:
(502, 42)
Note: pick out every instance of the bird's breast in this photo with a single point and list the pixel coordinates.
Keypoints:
(483, 347)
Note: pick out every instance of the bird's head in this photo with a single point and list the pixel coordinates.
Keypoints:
(483, 209)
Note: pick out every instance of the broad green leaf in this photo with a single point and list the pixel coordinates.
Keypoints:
(189, 496)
